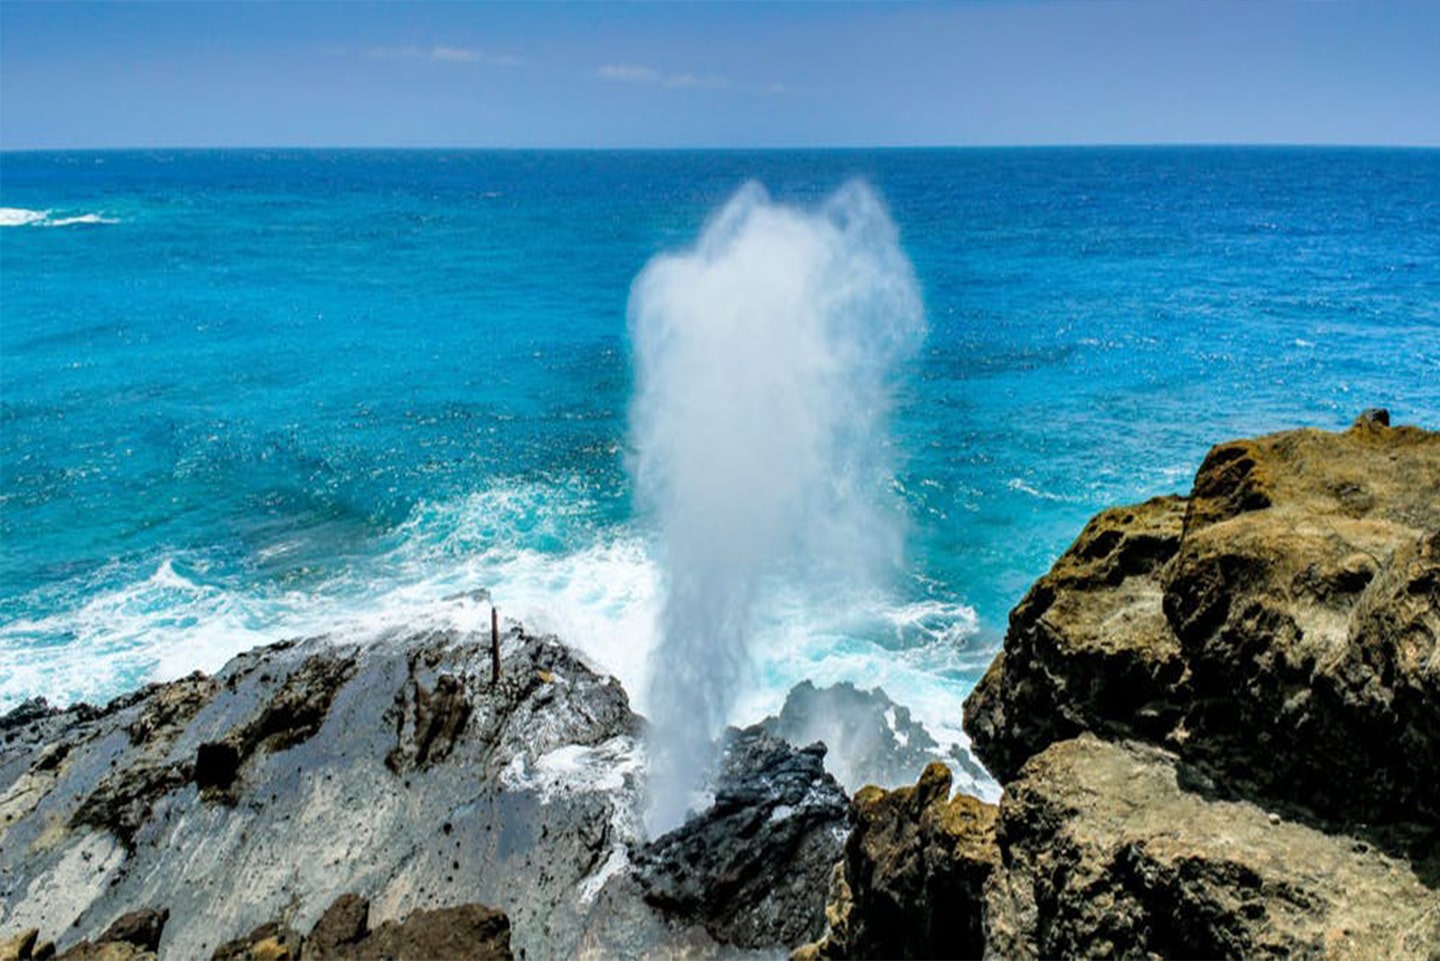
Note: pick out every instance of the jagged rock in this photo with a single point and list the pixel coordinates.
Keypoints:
(343, 924)
(21, 946)
(1106, 854)
(467, 932)
(911, 883)
(752, 867)
(871, 739)
(134, 936)
(428, 720)
(31, 709)
(524, 794)
(1278, 627)
(1088, 646)
(269, 942)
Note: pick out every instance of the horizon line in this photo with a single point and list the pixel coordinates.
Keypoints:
(731, 148)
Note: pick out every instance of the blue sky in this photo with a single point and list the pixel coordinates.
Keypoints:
(728, 75)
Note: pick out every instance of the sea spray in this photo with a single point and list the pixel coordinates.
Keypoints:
(765, 361)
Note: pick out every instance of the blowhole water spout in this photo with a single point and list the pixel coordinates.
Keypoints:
(766, 358)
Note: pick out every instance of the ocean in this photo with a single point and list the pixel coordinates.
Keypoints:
(255, 394)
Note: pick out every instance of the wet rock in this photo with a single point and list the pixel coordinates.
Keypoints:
(124, 801)
(752, 868)
(26, 712)
(265, 795)
(428, 721)
(1106, 854)
(170, 708)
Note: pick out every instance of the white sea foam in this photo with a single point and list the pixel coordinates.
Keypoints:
(765, 357)
(79, 219)
(21, 217)
(602, 598)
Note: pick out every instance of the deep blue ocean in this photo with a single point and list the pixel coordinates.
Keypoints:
(257, 394)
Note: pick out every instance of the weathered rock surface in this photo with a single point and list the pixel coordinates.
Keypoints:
(1217, 725)
(305, 770)
(752, 868)
(1278, 628)
(1106, 852)
(912, 879)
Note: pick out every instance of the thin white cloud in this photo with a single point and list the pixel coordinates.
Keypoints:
(641, 74)
(628, 73)
(441, 53)
(455, 54)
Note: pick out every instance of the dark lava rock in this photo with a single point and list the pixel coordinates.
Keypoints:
(268, 942)
(470, 932)
(752, 868)
(33, 709)
(263, 794)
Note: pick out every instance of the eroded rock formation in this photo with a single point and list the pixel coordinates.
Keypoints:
(1217, 724)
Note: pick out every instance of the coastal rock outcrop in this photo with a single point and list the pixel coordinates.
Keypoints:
(751, 868)
(911, 881)
(1110, 849)
(1216, 721)
(395, 770)
(1277, 628)
(376, 795)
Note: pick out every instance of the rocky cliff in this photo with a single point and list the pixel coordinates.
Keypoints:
(384, 798)
(1217, 724)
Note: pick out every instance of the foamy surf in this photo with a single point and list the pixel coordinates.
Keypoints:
(22, 217)
(601, 596)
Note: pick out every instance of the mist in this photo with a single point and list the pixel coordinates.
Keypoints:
(766, 358)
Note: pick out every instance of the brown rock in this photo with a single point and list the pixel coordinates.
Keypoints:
(1278, 627)
(342, 926)
(134, 936)
(1088, 647)
(268, 942)
(912, 878)
(19, 947)
(1106, 854)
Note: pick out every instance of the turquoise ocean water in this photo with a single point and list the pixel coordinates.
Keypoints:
(257, 394)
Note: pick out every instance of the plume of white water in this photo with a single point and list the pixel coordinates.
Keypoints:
(765, 359)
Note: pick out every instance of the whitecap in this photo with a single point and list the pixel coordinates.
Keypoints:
(20, 217)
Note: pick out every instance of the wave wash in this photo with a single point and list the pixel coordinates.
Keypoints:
(765, 362)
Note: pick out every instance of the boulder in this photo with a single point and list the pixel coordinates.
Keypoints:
(912, 879)
(1278, 627)
(752, 867)
(1110, 850)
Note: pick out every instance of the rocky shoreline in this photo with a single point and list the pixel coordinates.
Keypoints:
(1217, 725)
(1216, 721)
